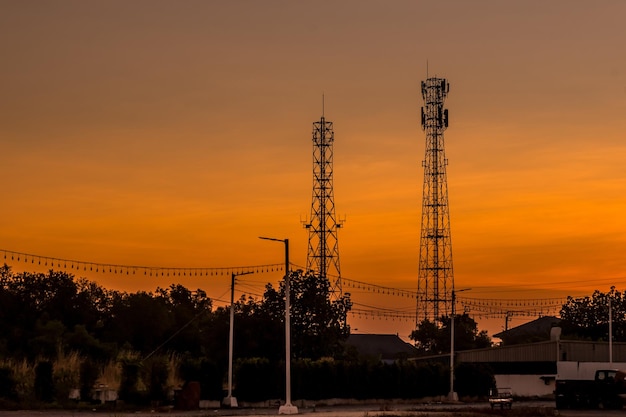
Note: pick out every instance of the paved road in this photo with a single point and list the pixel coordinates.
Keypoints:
(371, 410)
(408, 410)
(591, 413)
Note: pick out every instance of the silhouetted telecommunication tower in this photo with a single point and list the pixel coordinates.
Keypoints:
(323, 253)
(435, 281)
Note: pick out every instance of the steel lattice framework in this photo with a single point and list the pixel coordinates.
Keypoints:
(435, 282)
(323, 248)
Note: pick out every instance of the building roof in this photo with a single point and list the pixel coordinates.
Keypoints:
(538, 328)
(383, 346)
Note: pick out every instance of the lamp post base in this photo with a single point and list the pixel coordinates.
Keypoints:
(230, 402)
(453, 396)
(288, 409)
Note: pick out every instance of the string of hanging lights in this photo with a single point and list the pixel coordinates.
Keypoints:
(153, 271)
(478, 307)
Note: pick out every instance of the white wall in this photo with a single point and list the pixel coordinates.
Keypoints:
(525, 385)
(584, 370)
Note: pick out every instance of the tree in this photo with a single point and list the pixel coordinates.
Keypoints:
(427, 337)
(190, 311)
(318, 325)
(251, 316)
(37, 310)
(140, 321)
(588, 317)
(434, 339)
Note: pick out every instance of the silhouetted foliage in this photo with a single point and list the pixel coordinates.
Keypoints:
(43, 314)
(433, 339)
(258, 379)
(189, 313)
(473, 379)
(128, 385)
(159, 373)
(44, 388)
(588, 317)
(7, 384)
(319, 325)
(89, 372)
(206, 372)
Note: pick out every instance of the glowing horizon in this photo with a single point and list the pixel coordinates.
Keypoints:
(173, 134)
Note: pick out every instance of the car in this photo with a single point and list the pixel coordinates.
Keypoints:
(501, 397)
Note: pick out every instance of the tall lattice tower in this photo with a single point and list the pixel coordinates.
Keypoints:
(323, 248)
(435, 278)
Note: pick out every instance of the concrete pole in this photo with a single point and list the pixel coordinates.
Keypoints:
(452, 396)
(610, 332)
(231, 401)
(287, 408)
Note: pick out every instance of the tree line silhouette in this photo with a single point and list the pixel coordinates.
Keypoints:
(41, 312)
(46, 318)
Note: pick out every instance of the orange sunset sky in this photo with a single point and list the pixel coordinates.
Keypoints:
(174, 133)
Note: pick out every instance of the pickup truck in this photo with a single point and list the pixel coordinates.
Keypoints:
(606, 390)
(501, 397)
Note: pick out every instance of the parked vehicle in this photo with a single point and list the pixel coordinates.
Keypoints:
(501, 397)
(606, 390)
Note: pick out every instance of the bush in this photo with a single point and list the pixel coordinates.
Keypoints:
(474, 380)
(207, 373)
(258, 379)
(159, 373)
(8, 385)
(44, 387)
(314, 380)
(66, 375)
(323, 379)
(128, 386)
(89, 373)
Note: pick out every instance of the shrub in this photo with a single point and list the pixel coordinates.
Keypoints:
(89, 372)
(207, 373)
(23, 374)
(258, 379)
(44, 386)
(157, 382)
(129, 391)
(66, 375)
(474, 379)
(8, 385)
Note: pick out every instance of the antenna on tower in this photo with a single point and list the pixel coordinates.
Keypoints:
(322, 104)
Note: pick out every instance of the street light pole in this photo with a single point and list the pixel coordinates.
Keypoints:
(610, 332)
(287, 408)
(452, 395)
(229, 400)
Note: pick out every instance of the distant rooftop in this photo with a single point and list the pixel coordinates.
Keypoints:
(383, 346)
(539, 328)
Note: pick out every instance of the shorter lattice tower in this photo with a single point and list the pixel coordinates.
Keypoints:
(323, 248)
(435, 282)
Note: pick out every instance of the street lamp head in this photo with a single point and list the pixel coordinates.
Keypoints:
(272, 238)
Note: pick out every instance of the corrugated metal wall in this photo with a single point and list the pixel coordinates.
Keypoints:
(568, 350)
(535, 352)
(583, 351)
